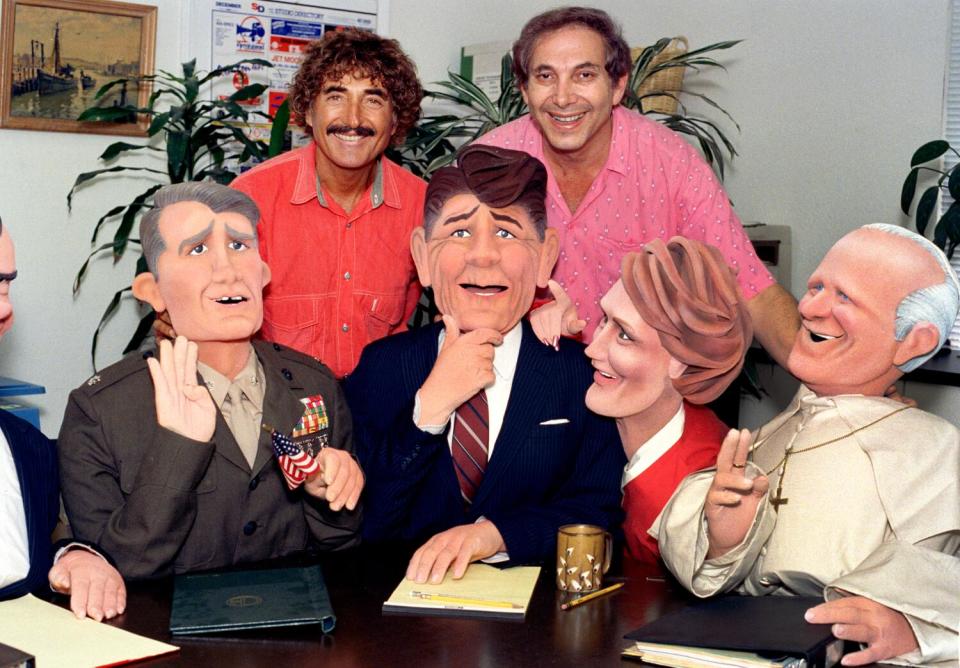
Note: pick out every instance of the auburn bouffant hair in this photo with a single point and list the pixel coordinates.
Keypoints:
(359, 53)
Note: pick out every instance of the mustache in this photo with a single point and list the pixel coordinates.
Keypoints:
(361, 130)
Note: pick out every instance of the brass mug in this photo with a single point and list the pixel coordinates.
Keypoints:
(583, 556)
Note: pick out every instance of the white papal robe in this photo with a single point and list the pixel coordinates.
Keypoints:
(876, 514)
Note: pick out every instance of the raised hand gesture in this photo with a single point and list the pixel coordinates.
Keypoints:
(733, 497)
(463, 368)
(182, 406)
(557, 318)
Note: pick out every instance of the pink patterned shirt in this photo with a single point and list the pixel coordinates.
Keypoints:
(654, 185)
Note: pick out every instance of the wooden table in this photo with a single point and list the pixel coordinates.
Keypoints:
(360, 581)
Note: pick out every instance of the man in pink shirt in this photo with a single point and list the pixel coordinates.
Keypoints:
(616, 179)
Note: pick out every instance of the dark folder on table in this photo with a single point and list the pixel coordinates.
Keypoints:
(771, 626)
(241, 600)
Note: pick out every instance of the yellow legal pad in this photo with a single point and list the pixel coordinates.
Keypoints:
(57, 638)
(484, 591)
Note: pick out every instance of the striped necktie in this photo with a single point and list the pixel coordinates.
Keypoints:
(471, 432)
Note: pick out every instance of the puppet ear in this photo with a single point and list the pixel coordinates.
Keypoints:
(145, 289)
(923, 338)
(549, 251)
(675, 368)
(418, 248)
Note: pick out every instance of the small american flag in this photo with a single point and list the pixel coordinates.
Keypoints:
(296, 464)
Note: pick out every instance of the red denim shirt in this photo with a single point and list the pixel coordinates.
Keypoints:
(338, 280)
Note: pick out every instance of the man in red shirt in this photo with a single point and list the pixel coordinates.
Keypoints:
(336, 215)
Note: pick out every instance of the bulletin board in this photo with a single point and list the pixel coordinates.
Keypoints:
(222, 32)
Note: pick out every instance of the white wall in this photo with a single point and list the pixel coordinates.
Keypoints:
(832, 98)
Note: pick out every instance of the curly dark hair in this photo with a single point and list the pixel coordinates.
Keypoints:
(355, 52)
(618, 61)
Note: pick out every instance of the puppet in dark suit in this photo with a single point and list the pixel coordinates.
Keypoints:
(95, 587)
(151, 469)
(483, 249)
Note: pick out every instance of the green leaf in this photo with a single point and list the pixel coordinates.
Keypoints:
(248, 93)
(108, 312)
(86, 176)
(946, 227)
(122, 235)
(953, 182)
(105, 88)
(189, 68)
(177, 144)
(78, 279)
(109, 214)
(909, 190)
(929, 151)
(158, 123)
(119, 147)
(926, 205)
(281, 120)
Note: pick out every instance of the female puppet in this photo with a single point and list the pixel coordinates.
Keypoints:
(673, 337)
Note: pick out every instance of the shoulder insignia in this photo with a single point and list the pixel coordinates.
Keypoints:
(93, 380)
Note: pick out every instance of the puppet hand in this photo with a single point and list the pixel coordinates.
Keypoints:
(885, 632)
(557, 318)
(182, 405)
(339, 480)
(95, 587)
(732, 498)
(457, 547)
(163, 327)
(463, 368)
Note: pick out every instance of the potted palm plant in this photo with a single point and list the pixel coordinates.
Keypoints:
(190, 138)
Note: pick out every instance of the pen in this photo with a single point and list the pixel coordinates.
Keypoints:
(589, 597)
(461, 600)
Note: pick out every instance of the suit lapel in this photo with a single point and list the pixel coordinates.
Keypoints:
(28, 487)
(528, 394)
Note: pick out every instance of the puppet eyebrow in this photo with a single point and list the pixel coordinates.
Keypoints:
(504, 218)
(461, 216)
(196, 238)
(237, 235)
(8, 277)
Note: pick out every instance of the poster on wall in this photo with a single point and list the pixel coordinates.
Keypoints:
(278, 32)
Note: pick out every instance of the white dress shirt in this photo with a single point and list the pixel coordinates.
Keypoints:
(14, 546)
(655, 448)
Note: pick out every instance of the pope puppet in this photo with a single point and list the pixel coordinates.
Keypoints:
(846, 493)
(473, 435)
(168, 464)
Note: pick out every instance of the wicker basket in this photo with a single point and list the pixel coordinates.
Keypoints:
(669, 80)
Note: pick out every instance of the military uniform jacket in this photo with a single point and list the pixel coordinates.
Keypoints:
(159, 502)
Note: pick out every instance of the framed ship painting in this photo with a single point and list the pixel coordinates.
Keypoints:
(56, 54)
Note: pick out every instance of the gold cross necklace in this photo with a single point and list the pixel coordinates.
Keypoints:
(778, 499)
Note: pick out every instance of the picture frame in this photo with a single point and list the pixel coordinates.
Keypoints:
(56, 54)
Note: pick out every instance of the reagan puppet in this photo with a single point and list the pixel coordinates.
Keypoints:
(168, 463)
(673, 336)
(473, 435)
(847, 494)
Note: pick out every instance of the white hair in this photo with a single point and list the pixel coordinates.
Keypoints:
(937, 304)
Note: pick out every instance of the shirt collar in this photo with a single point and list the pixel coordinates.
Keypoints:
(250, 380)
(655, 447)
(376, 191)
(619, 142)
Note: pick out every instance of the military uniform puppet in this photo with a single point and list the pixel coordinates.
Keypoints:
(847, 493)
(172, 471)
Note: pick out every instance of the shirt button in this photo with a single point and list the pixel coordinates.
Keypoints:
(286, 374)
(249, 528)
(765, 581)
(349, 225)
(346, 275)
(254, 481)
(345, 327)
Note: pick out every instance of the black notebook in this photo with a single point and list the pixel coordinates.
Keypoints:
(770, 626)
(241, 600)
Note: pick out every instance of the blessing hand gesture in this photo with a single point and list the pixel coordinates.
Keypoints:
(733, 497)
(182, 406)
